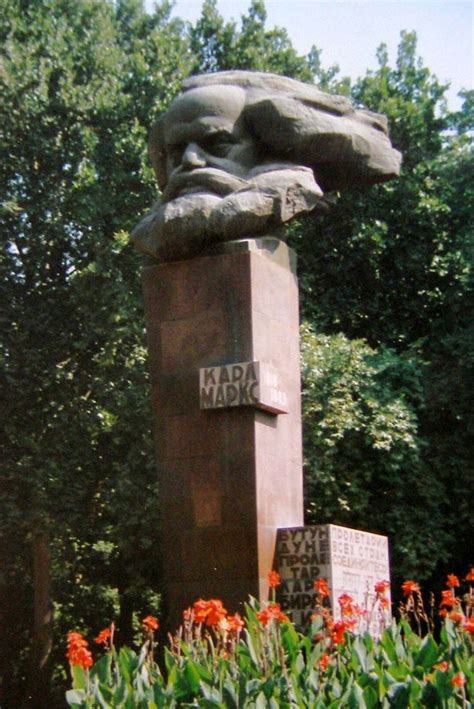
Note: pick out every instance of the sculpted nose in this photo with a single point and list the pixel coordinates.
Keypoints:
(193, 156)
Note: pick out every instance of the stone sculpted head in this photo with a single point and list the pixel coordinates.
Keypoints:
(239, 154)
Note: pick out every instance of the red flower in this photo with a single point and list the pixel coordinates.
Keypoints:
(274, 579)
(347, 605)
(216, 612)
(77, 652)
(448, 598)
(264, 616)
(82, 657)
(453, 581)
(103, 636)
(443, 613)
(321, 586)
(200, 611)
(150, 623)
(345, 600)
(272, 612)
(382, 587)
(470, 574)
(469, 625)
(458, 680)
(384, 602)
(324, 661)
(76, 640)
(409, 587)
(441, 666)
(456, 617)
(209, 612)
(338, 632)
(351, 623)
(236, 624)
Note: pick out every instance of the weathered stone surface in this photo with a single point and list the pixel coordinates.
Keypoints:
(229, 477)
(240, 154)
(351, 561)
(242, 384)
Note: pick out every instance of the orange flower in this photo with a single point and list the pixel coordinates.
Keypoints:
(453, 581)
(209, 612)
(274, 579)
(272, 612)
(382, 587)
(347, 605)
(351, 623)
(216, 612)
(81, 657)
(441, 666)
(469, 626)
(236, 624)
(321, 586)
(448, 598)
(443, 613)
(150, 623)
(470, 575)
(384, 602)
(345, 599)
(77, 652)
(456, 617)
(76, 640)
(409, 587)
(264, 616)
(458, 680)
(200, 608)
(338, 632)
(103, 636)
(324, 661)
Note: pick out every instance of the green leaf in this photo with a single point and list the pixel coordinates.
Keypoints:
(192, 675)
(428, 653)
(78, 677)
(356, 698)
(370, 698)
(399, 695)
(76, 697)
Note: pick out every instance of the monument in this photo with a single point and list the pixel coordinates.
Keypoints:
(237, 156)
(350, 560)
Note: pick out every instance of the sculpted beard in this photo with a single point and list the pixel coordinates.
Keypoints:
(208, 205)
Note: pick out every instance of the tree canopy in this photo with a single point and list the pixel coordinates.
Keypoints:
(386, 295)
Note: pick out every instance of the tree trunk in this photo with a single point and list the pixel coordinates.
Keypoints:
(42, 624)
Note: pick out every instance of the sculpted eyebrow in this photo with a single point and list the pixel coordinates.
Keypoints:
(207, 136)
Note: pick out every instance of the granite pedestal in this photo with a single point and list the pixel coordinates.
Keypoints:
(229, 477)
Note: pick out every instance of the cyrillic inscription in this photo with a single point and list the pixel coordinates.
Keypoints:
(351, 561)
(241, 384)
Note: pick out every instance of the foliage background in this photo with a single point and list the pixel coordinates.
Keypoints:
(386, 291)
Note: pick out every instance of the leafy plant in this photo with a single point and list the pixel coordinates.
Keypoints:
(217, 660)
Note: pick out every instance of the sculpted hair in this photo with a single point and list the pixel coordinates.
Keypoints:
(295, 122)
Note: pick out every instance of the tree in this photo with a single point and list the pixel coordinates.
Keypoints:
(392, 266)
(81, 82)
(220, 46)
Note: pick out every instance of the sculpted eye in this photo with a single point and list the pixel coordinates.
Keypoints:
(175, 152)
(218, 145)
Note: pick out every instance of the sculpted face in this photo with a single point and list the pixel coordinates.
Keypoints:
(203, 135)
(216, 183)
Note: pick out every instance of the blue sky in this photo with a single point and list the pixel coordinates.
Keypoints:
(348, 33)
